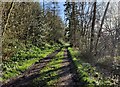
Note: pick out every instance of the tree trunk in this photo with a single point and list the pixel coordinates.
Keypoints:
(102, 22)
(8, 16)
(92, 29)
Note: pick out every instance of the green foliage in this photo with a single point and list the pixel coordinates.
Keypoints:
(87, 73)
(23, 59)
(49, 74)
(27, 24)
(28, 37)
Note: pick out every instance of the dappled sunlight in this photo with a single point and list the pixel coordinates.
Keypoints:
(59, 44)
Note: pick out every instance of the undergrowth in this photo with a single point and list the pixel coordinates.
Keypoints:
(49, 74)
(23, 59)
(87, 74)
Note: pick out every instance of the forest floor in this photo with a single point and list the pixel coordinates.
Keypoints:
(66, 73)
(30, 74)
(61, 68)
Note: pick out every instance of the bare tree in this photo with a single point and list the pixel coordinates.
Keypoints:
(92, 29)
(102, 22)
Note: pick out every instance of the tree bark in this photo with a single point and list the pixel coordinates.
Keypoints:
(102, 22)
(8, 16)
(93, 26)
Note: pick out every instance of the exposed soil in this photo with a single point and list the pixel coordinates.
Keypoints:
(68, 74)
(31, 73)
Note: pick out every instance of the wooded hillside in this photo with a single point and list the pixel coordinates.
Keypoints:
(40, 48)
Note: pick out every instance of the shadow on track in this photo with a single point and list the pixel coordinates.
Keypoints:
(31, 73)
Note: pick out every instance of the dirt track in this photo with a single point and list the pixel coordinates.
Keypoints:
(31, 73)
(67, 73)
